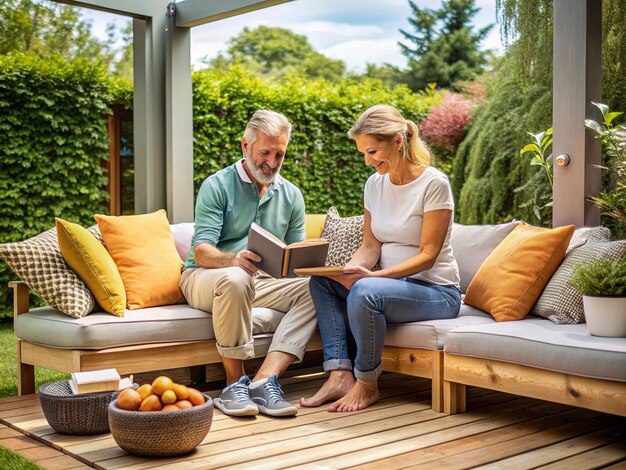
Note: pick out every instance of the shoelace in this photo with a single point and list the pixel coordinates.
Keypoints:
(274, 391)
(241, 392)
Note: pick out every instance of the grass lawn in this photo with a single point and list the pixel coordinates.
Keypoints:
(8, 365)
(10, 460)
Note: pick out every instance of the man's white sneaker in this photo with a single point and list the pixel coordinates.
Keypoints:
(235, 399)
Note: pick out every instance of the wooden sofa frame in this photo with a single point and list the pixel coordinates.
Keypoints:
(415, 362)
(606, 396)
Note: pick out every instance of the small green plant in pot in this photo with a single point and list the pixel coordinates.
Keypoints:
(603, 286)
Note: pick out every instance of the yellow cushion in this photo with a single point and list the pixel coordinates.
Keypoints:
(511, 279)
(90, 260)
(314, 225)
(144, 251)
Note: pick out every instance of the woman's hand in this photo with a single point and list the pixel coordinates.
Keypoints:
(352, 274)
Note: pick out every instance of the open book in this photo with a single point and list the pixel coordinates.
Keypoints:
(278, 259)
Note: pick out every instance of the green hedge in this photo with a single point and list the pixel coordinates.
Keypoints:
(53, 136)
(321, 160)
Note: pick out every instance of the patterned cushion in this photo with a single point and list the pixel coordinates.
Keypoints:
(344, 235)
(39, 263)
(593, 234)
(560, 302)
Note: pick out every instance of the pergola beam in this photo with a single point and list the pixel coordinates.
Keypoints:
(135, 8)
(191, 13)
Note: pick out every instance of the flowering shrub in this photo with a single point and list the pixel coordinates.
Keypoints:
(444, 126)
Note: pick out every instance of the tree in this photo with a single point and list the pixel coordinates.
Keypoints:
(47, 28)
(444, 48)
(278, 52)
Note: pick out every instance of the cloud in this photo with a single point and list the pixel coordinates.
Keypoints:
(357, 53)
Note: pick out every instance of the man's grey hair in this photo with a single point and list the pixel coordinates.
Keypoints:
(269, 122)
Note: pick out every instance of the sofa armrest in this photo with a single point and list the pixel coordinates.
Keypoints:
(21, 302)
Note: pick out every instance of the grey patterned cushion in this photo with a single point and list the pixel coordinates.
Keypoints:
(344, 235)
(593, 234)
(560, 302)
(39, 263)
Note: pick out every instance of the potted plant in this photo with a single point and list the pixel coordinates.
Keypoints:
(603, 286)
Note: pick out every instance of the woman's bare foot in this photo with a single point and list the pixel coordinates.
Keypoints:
(338, 384)
(363, 394)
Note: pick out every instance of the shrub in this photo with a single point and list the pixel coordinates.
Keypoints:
(53, 139)
(600, 278)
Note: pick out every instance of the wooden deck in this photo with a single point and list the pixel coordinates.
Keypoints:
(499, 431)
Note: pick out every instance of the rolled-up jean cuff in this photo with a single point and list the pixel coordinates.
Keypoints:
(245, 351)
(370, 375)
(337, 364)
(289, 349)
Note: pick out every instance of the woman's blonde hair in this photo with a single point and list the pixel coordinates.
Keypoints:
(385, 122)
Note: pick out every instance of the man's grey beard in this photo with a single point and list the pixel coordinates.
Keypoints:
(257, 172)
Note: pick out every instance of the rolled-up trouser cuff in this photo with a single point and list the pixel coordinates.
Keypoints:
(337, 364)
(370, 375)
(289, 349)
(245, 351)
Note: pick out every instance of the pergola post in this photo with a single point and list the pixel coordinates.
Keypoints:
(576, 83)
(178, 121)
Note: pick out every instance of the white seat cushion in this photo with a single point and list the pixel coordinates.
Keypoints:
(537, 342)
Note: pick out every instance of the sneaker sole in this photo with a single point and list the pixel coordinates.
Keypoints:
(279, 413)
(247, 411)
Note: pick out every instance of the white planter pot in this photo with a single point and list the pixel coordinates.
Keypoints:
(605, 316)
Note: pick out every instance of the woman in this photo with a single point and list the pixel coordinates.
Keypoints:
(408, 219)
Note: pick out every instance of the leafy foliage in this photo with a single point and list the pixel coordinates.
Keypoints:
(278, 53)
(321, 160)
(487, 168)
(444, 48)
(603, 278)
(612, 201)
(53, 137)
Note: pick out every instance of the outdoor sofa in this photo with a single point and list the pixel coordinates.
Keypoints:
(532, 357)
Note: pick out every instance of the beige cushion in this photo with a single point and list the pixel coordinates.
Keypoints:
(100, 330)
(431, 334)
(537, 342)
(471, 244)
(39, 263)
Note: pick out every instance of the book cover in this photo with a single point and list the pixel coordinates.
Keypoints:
(95, 381)
(280, 260)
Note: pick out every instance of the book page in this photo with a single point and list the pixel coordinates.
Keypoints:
(269, 248)
(270, 236)
(320, 271)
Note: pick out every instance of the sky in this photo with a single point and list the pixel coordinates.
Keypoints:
(355, 31)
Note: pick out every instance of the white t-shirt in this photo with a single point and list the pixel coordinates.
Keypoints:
(397, 214)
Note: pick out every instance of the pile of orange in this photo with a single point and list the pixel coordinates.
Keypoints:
(161, 395)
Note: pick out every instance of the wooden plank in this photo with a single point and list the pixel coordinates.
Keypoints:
(564, 449)
(18, 398)
(62, 462)
(410, 361)
(601, 395)
(25, 372)
(613, 456)
(299, 451)
(503, 450)
(18, 442)
(39, 452)
(33, 400)
(533, 420)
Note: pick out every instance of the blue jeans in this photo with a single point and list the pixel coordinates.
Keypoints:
(353, 323)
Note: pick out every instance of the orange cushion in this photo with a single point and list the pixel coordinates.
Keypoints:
(511, 279)
(144, 252)
(314, 225)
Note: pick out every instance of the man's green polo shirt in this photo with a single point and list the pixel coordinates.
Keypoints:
(228, 202)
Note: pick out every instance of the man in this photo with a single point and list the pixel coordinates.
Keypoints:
(220, 275)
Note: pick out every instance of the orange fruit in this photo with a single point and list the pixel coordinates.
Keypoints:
(168, 397)
(145, 391)
(170, 408)
(129, 399)
(195, 397)
(182, 393)
(151, 403)
(162, 383)
(182, 404)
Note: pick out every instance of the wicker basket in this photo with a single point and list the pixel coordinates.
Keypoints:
(160, 433)
(75, 414)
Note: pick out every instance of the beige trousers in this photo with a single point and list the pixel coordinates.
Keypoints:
(229, 294)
